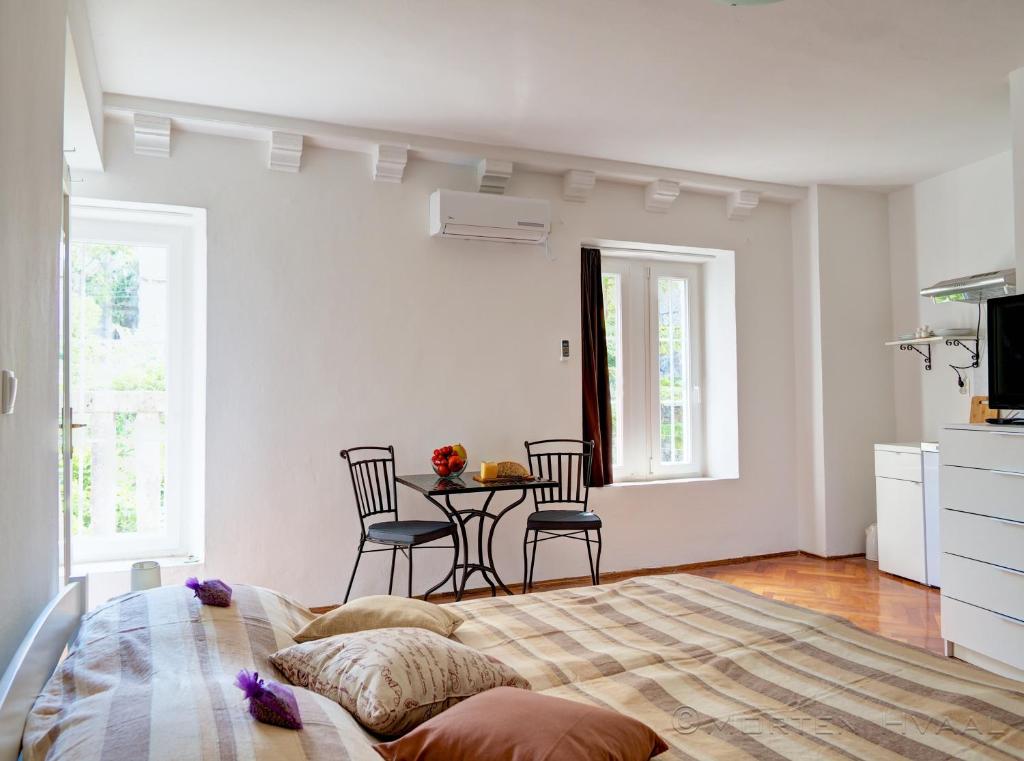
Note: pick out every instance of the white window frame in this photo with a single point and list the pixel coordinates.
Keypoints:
(640, 410)
(618, 450)
(183, 233)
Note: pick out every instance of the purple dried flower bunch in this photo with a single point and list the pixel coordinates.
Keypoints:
(210, 592)
(269, 702)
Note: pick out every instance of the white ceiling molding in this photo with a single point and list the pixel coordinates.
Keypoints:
(741, 204)
(660, 195)
(152, 135)
(493, 175)
(285, 151)
(577, 184)
(249, 125)
(389, 162)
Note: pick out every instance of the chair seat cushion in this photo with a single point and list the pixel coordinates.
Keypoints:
(563, 520)
(409, 532)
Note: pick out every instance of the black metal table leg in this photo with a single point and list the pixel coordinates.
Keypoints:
(484, 564)
(490, 539)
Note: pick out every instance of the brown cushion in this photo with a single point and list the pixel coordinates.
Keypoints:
(515, 725)
(381, 612)
(392, 680)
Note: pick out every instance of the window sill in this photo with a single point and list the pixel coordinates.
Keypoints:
(668, 481)
(120, 566)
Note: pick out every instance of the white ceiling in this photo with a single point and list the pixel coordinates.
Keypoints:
(875, 92)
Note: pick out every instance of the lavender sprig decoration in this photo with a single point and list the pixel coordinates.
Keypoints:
(210, 592)
(269, 702)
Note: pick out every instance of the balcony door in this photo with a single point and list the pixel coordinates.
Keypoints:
(135, 296)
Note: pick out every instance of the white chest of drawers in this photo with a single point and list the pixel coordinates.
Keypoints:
(982, 497)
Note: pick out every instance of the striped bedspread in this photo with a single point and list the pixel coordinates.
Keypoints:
(719, 672)
(722, 673)
(151, 676)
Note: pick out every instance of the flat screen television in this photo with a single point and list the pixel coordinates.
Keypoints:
(1006, 353)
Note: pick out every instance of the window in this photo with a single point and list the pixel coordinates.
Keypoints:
(137, 382)
(653, 327)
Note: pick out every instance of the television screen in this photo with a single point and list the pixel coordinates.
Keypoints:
(1006, 353)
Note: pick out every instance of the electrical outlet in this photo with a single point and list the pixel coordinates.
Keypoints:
(965, 388)
(564, 354)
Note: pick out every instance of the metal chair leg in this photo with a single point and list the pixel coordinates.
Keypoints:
(391, 579)
(410, 571)
(526, 566)
(533, 560)
(359, 555)
(451, 572)
(590, 556)
(455, 563)
(597, 566)
(455, 559)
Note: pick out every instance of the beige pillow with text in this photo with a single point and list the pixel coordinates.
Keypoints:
(392, 680)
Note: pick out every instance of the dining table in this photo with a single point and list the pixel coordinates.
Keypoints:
(440, 491)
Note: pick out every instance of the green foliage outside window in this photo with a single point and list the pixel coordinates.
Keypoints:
(108, 353)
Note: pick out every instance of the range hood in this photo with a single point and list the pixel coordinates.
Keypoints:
(975, 288)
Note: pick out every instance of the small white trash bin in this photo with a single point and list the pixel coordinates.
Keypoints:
(871, 536)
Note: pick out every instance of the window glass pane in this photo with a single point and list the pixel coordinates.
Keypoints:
(613, 334)
(673, 368)
(119, 389)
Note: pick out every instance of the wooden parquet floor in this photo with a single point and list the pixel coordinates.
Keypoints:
(849, 587)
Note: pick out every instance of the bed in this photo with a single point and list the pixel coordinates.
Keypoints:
(719, 672)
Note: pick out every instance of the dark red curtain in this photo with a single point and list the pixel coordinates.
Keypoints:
(597, 403)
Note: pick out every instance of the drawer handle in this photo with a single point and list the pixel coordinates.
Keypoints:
(1011, 619)
(1008, 473)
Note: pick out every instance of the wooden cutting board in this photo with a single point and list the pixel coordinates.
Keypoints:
(505, 480)
(980, 411)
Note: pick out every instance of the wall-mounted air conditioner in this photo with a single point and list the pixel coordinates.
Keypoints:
(483, 216)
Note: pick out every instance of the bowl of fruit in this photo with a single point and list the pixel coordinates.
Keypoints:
(449, 461)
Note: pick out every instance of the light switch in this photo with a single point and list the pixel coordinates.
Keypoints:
(564, 355)
(8, 391)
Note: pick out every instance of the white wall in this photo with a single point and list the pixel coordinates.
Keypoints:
(844, 373)
(810, 434)
(1017, 132)
(31, 97)
(959, 223)
(83, 93)
(856, 365)
(335, 320)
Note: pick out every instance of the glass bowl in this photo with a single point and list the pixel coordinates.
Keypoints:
(451, 473)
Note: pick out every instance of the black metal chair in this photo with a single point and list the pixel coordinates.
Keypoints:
(373, 480)
(571, 469)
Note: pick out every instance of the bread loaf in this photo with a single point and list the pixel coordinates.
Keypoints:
(509, 469)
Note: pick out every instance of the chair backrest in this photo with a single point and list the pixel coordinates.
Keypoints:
(373, 480)
(566, 461)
